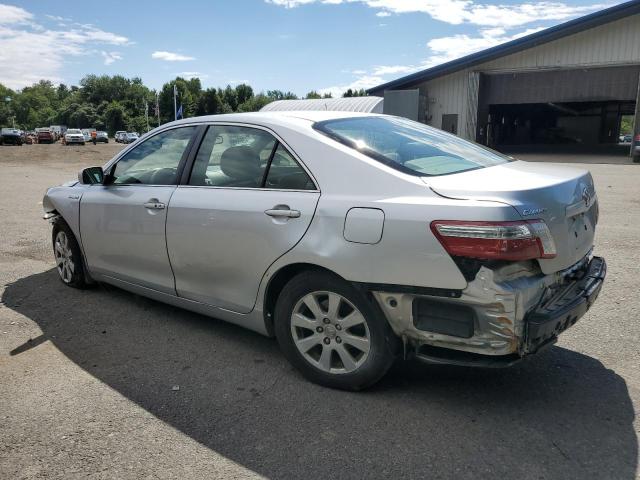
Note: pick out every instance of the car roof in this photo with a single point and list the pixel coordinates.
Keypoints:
(278, 117)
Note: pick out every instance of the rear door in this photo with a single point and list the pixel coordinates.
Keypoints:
(247, 201)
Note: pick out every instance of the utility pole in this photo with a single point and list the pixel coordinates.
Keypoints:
(158, 106)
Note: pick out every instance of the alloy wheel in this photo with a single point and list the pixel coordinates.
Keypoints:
(330, 332)
(64, 257)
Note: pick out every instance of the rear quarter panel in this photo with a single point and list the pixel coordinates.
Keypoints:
(408, 253)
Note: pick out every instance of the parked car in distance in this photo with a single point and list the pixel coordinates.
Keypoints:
(86, 132)
(118, 137)
(102, 137)
(58, 130)
(130, 137)
(31, 138)
(74, 135)
(10, 136)
(352, 238)
(45, 135)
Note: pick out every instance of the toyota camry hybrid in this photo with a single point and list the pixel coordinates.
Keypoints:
(354, 239)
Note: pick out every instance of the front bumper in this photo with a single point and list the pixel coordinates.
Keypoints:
(503, 315)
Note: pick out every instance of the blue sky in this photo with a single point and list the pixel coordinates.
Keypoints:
(297, 45)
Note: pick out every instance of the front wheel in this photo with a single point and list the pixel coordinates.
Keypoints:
(68, 256)
(332, 333)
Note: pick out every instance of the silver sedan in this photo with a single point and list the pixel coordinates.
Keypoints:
(353, 239)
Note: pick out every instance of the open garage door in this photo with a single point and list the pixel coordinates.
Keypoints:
(579, 107)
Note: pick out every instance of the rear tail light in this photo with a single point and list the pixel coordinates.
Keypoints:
(496, 240)
(637, 139)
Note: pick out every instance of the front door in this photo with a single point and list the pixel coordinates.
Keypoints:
(248, 202)
(122, 223)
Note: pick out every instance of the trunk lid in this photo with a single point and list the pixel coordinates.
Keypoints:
(564, 197)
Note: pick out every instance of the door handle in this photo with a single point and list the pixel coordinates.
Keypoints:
(283, 212)
(154, 204)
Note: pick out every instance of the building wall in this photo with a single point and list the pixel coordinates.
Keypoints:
(616, 43)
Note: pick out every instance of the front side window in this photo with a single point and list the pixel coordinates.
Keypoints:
(409, 146)
(156, 160)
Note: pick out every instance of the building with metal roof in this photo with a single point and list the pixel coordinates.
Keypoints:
(350, 104)
(572, 83)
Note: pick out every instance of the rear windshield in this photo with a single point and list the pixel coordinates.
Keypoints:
(409, 146)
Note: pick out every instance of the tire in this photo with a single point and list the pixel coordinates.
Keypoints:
(66, 251)
(350, 348)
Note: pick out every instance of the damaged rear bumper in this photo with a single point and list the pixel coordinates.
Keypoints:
(562, 310)
(503, 315)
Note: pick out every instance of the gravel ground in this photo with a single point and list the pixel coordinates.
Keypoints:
(105, 384)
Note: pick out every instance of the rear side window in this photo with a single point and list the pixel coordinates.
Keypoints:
(409, 146)
(286, 174)
(245, 157)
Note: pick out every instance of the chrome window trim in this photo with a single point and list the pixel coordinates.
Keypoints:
(278, 138)
(297, 158)
(247, 188)
(112, 163)
(144, 138)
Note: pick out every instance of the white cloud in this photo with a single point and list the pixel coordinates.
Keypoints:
(190, 75)
(110, 57)
(10, 14)
(456, 12)
(365, 81)
(383, 14)
(58, 18)
(393, 69)
(441, 50)
(46, 49)
(171, 57)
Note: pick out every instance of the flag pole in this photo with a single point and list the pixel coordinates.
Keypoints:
(175, 107)
(158, 106)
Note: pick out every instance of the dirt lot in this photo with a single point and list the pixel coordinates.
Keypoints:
(87, 377)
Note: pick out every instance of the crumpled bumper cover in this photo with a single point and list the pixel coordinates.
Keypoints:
(513, 313)
(565, 307)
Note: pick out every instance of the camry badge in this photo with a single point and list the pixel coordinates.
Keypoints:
(533, 211)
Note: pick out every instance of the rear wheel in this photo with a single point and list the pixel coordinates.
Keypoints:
(68, 256)
(331, 333)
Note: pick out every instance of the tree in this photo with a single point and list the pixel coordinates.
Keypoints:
(255, 103)
(210, 102)
(230, 97)
(355, 93)
(118, 103)
(280, 95)
(115, 117)
(243, 93)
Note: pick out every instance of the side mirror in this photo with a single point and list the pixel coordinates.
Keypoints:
(91, 176)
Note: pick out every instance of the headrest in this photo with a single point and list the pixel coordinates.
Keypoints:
(240, 163)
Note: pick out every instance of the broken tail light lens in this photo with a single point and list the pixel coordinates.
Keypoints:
(513, 241)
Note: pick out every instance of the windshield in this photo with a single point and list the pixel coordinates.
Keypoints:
(409, 146)
(73, 131)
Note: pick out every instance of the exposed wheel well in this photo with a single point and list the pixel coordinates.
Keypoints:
(277, 283)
